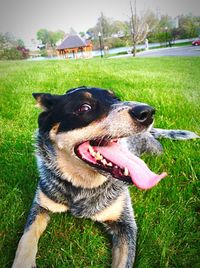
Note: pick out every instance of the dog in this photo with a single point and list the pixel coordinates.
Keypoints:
(87, 149)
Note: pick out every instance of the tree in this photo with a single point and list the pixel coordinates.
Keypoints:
(12, 49)
(120, 27)
(43, 36)
(139, 27)
(82, 34)
(103, 25)
(20, 43)
(151, 19)
(7, 40)
(54, 37)
(49, 37)
(165, 21)
(189, 26)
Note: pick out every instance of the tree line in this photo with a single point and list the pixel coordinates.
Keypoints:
(147, 25)
(114, 33)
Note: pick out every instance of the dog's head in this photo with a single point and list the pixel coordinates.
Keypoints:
(86, 125)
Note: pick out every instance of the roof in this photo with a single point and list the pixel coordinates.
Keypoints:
(73, 41)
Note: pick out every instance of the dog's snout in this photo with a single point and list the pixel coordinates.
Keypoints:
(143, 114)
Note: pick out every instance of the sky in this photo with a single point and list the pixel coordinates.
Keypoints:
(24, 18)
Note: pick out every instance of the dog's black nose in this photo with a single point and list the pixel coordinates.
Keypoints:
(143, 114)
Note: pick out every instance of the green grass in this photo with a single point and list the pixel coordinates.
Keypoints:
(167, 215)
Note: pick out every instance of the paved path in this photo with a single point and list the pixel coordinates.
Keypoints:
(172, 51)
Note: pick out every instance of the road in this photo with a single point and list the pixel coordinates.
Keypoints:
(172, 51)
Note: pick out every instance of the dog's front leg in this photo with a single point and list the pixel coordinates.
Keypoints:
(27, 248)
(124, 243)
(120, 222)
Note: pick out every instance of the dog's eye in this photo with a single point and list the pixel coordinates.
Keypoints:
(84, 108)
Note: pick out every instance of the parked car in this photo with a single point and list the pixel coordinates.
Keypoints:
(196, 42)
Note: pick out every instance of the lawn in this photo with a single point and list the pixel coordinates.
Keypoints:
(167, 215)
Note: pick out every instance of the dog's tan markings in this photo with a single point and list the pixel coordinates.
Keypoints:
(70, 166)
(119, 255)
(39, 103)
(77, 172)
(54, 131)
(87, 95)
(67, 140)
(27, 248)
(111, 93)
(111, 213)
(49, 204)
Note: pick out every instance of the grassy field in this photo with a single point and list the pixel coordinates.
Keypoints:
(167, 215)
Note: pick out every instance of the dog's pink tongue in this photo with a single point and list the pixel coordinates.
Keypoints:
(140, 174)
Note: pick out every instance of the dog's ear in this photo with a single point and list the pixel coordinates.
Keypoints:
(45, 100)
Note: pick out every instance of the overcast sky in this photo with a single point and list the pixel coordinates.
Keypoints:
(24, 17)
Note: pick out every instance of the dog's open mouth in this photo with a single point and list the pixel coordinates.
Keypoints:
(111, 156)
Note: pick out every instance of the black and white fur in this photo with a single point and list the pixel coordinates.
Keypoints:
(102, 198)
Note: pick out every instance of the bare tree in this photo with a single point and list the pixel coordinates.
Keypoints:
(139, 27)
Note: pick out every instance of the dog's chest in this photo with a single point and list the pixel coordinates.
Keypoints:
(60, 196)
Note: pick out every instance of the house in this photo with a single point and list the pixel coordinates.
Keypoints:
(74, 44)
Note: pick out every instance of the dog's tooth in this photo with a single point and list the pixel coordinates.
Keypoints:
(103, 161)
(109, 164)
(98, 156)
(91, 150)
(94, 154)
(126, 172)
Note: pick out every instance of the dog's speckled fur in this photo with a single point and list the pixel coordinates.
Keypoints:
(68, 184)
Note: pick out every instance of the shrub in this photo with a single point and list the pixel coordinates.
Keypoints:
(24, 52)
(10, 54)
(14, 53)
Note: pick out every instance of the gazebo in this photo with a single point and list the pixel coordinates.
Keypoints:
(74, 44)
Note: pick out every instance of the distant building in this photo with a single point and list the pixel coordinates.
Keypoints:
(74, 44)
